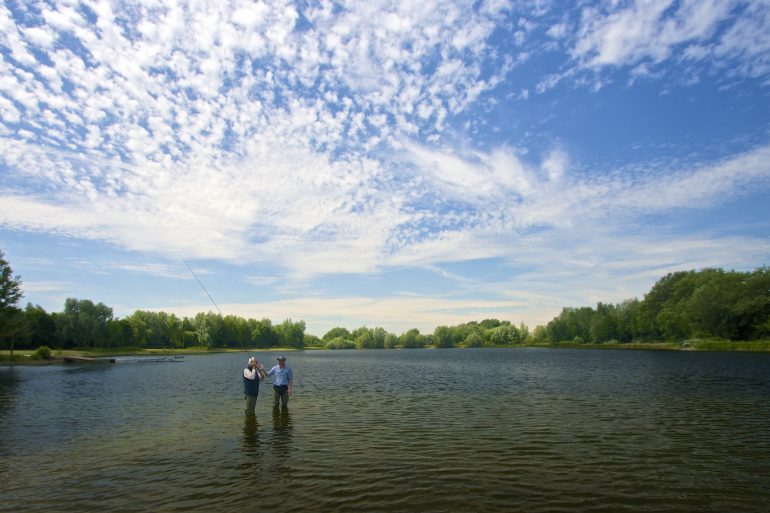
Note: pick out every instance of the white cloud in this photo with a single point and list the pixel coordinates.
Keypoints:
(747, 41)
(46, 286)
(261, 131)
(558, 31)
(645, 30)
(726, 34)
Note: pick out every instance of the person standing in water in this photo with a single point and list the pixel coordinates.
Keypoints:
(281, 382)
(251, 377)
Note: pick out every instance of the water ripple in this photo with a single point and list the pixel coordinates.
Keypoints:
(417, 431)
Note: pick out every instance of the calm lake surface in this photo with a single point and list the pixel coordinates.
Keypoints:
(530, 430)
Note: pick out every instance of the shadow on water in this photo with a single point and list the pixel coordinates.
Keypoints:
(281, 441)
(250, 435)
(252, 465)
(9, 381)
(282, 428)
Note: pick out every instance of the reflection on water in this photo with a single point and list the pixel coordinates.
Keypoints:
(281, 443)
(423, 430)
(282, 425)
(250, 435)
(9, 380)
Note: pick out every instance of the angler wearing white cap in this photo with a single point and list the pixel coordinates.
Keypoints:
(251, 377)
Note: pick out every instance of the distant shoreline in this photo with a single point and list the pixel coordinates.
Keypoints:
(23, 357)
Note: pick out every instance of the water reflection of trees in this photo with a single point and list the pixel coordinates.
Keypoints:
(9, 381)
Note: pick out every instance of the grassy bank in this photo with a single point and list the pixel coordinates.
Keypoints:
(727, 345)
(758, 346)
(27, 356)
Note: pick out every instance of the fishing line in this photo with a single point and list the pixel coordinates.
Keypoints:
(202, 286)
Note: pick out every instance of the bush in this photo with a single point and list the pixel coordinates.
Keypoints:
(340, 343)
(474, 340)
(42, 353)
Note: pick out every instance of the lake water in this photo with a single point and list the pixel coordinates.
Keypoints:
(487, 430)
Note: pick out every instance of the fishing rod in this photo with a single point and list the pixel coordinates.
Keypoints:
(257, 364)
(202, 286)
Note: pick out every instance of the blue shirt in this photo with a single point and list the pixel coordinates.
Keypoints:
(282, 376)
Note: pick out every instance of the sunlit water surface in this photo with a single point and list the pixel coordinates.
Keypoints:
(530, 430)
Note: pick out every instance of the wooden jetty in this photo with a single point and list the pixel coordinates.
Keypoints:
(141, 359)
(87, 359)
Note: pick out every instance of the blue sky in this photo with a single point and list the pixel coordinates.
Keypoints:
(380, 163)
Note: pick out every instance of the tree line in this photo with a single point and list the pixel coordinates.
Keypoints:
(709, 303)
(85, 325)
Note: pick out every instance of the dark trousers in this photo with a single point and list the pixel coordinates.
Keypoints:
(280, 393)
(251, 402)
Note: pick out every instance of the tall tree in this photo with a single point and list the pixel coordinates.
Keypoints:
(336, 332)
(263, 334)
(83, 323)
(291, 334)
(412, 339)
(202, 330)
(10, 295)
(40, 328)
(444, 336)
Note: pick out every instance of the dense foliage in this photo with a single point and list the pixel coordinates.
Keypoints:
(10, 295)
(711, 303)
(84, 324)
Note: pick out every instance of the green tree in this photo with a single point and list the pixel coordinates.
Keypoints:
(557, 329)
(626, 314)
(202, 334)
(602, 326)
(39, 327)
(142, 332)
(412, 339)
(487, 324)
(391, 341)
(235, 331)
(340, 343)
(571, 324)
(10, 295)
(83, 323)
(751, 311)
(215, 325)
(504, 334)
(119, 334)
(524, 334)
(263, 334)
(336, 332)
(540, 335)
(474, 340)
(291, 334)
(444, 336)
(363, 338)
(379, 336)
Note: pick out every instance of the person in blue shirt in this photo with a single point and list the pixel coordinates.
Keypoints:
(251, 376)
(281, 382)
